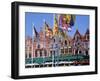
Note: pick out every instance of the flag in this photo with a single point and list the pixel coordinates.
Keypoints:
(68, 18)
(48, 30)
(66, 21)
(72, 21)
(55, 28)
(36, 33)
(62, 33)
(46, 27)
(63, 21)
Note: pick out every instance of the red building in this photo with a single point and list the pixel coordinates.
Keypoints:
(41, 47)
(81, 43)
(34, 48)
(28, 47)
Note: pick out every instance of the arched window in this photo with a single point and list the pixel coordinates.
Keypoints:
(62, 51)
(45, 53)
(70, 50)
(35, 53)
(38, 46)
(53, 52)
(65, 42)
(29, 55)
(80, 52)
(76, 52)
(50, 52)
(40, 53)
(66, 51)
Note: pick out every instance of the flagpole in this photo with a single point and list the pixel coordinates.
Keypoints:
(32, 42)
(53, 45)
(44, 40)
(58, 37)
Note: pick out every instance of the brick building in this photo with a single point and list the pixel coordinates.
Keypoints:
(41, 47)
(28, 47)
(80, 43)
(46, 46)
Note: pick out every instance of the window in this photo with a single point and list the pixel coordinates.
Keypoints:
(87, 37)
(62, 51)
(26, 55)
(80, 52)
(25, 47)
(70, 50)
(77, 37)
(45, 53)
(76, 51)
(40, 53)
(65, 42)
(29, 55)
(87, 53)
(78, 43)
(38, 46)
(56, 45)
(30, 48)
(50, 52)
(66, 50)
(53, 52)
(36, 53)
(54, 40)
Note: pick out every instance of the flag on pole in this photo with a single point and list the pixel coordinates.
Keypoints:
(63, 22)
(36, 34)
(62, 33)
(55, 28)
(66, 21)
(72, 21)
(48, 30)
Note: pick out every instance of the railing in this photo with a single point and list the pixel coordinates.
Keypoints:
(60, 58)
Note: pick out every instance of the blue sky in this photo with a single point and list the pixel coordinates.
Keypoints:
(81, 22)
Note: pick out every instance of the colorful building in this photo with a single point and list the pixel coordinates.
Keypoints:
(45, 47)
(81, 43)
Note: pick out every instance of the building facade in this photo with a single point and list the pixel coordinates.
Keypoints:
(80, 43)
(46, 47)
